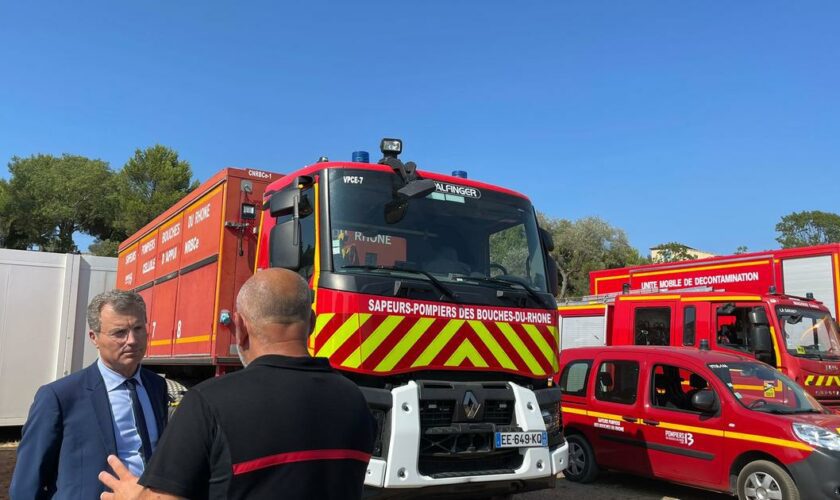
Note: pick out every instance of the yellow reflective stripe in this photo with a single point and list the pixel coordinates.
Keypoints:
(609, 416)
(720, 298)
(351, 326)
(491, 343)
(635, 298)
(435, 347)
(702, 268)
(767, 440)
(576, 411)
(702, 430)
(573, 308)
(411, 337)
(775, 347)
(691, 428)
(538, 339)
(466, 351)
(554, 361)
(193, 339)
(836, 282)
(160, 342)
(372, 342)
(320, 322)
(523, 351)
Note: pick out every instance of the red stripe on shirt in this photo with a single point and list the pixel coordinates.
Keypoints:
(299, 456)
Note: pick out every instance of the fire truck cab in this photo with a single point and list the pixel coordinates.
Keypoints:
(797, 336)
(713, 420)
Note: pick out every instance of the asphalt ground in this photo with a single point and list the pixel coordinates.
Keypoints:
(609, 485)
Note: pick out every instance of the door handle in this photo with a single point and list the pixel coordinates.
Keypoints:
(632, 420)
(650, 422)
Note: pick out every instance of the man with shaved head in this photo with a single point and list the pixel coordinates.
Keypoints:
(287, 426)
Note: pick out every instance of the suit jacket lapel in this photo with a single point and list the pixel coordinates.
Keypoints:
(101, 407)
(153, 390)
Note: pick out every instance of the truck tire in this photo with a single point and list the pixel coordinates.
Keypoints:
(582, 466)
(175, 392)
(764, 479)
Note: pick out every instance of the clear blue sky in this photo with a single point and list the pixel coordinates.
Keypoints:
(698, 122)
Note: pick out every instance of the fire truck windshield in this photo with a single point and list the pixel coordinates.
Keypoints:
(809, 332)
(459, 234)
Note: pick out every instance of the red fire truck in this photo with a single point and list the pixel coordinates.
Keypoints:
(432, 292)
(797, 336)
(792, 271)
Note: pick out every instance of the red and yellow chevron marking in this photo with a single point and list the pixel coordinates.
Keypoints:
(387, 343)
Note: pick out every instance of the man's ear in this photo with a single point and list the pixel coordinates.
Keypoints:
(93, 339)
(241, 331)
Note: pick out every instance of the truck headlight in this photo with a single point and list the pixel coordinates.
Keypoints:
(817, 436)
(553, 424)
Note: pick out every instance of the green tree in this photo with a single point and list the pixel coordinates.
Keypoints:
(51, 198)
(672, 252)
(149, 183)
(741, 249)
(802, 229)
(4, 204)
(586, 245)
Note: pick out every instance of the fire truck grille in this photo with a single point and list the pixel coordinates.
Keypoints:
(499, 412)
(436, 413)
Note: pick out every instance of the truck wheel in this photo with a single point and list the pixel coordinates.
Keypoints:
(175, 391)
(582, 467)
(762, 479)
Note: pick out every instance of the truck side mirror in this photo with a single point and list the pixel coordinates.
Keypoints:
(758, 316)
(284, 245)
(547, 240)
(551, 268)
(283, 202)
(705, 401)
(289, 201)
(760, 341)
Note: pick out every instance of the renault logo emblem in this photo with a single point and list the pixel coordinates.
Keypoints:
(471, 405)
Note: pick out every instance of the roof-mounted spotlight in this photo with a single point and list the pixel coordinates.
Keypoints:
(391, 148)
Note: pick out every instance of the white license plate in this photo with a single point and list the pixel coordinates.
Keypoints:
(534, 439)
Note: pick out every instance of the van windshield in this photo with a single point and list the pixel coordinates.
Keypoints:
(762, 388)
(809, 332)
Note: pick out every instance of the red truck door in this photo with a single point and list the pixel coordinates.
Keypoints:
(683, 444)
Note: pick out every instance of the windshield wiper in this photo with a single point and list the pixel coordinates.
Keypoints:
(533, 293)
(434, 281)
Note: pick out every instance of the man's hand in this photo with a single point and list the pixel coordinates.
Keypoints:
(124, 486)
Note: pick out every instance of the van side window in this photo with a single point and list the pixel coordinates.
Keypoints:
(653, 326)
(574, 378)
(617, 382)
(689, 324)
(673, 387)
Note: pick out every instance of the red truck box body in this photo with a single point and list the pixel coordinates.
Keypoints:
(188, 263)
(793, 271)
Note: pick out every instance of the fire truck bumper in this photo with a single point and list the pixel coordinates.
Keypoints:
(431, 453)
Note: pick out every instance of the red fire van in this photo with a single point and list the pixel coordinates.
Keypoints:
(703, 418)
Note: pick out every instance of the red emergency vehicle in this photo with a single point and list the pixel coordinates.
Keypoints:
(792, 271)
(698, 417)
(432, 293)
(797, 336)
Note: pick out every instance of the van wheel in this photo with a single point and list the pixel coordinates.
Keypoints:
(582, 467)
(761, 480)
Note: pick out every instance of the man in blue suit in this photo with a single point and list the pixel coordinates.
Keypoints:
(112, 407)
